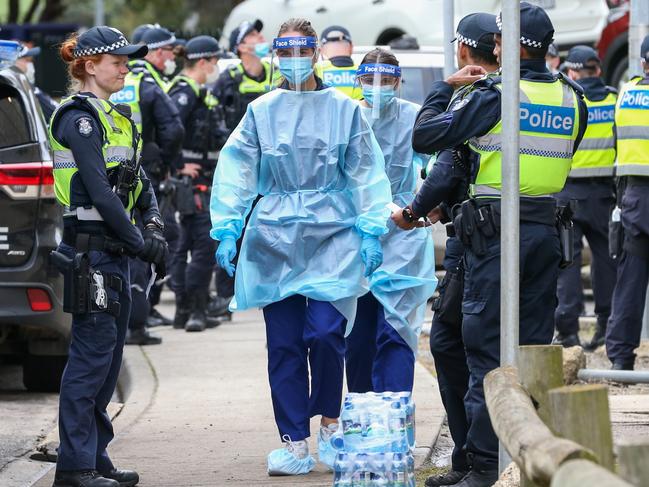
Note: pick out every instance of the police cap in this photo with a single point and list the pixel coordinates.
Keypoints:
(107, 40)
(536, 27)
(335, 33)
(202, 47)
(26, 51)
(244, 28)
(477, 30)
(644, 49)
(580, 57)
(139, 31)
(157, 37)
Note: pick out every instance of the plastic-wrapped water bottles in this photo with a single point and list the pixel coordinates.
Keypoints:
(374, 470)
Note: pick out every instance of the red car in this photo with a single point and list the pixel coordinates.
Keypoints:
(613, 46)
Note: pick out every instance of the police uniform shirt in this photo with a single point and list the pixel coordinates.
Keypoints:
(48, 105)
(78, 130)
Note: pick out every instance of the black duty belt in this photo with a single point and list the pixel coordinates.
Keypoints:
(84, 241)
(638, 180)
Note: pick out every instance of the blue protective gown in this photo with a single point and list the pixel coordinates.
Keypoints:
(406, 279)
(321, 173)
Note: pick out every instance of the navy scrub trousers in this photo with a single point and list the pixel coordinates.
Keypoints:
(304, 336)
(377, 358)
(90, 375)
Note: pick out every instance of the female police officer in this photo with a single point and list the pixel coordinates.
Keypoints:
(99, 181)
(205, 134)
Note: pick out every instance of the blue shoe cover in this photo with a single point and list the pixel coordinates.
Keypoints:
(283, 462)
(326, 452)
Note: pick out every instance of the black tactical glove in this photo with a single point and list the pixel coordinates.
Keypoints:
(155, 246)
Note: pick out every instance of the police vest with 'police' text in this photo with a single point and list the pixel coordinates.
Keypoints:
(632, 126)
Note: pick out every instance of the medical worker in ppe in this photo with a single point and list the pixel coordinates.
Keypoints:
(311, 155)
(381, 348)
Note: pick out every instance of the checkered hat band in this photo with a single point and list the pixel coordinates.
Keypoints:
(573, 65)
(466, 40)
(524, 40)
(101, 49)
(159, 44)
(205, 54)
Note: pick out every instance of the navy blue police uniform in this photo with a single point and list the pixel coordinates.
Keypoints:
(98, 235)
(593, 191)
(474, 116)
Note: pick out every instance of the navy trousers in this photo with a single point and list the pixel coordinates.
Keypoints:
(90, 375)
(447, 348)
(377, 358)
(304, 335)
(625, 326)
(194, 239)
(539, 267)
(595, 200)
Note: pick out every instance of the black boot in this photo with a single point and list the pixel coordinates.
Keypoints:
(622, 366)
(566, 341)
(140, 336)
(478, 478)
(218, 308)
(82, 478)
(599, 338)
(155, 318)
(126, 478)
(446, 478)
(182, 312)
(197, 320)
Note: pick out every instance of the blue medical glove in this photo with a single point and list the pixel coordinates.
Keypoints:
(371, 254)
(225, 254)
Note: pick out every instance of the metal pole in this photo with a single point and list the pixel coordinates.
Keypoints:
(510, 228)
(638, 29)
(625, 376)
(448, 16)
(100, 17)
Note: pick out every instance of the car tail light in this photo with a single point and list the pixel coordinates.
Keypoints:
(27, 180)
(39, 299)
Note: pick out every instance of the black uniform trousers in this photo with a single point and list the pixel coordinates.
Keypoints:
(90, 375)
(447, 347)
(195, 239)
(539, 266)
(595, 200)
(625, 326)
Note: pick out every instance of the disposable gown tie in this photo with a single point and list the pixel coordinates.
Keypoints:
(406, 279)
(313, 158)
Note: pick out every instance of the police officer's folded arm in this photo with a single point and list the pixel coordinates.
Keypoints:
(437, 128)
(438, 185)
(86, 146)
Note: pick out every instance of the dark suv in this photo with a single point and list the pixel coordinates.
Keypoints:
(33, 326)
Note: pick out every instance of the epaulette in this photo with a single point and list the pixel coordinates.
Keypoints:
(575, 86)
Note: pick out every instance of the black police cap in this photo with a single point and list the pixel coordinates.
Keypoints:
(26, 51)
(140, 30)
(644, 49)
(536, 27)
(477, 30)
(244, 28)
(580, 57)
(157, 37)
(107, 40)
(335, 33)
(202, 47)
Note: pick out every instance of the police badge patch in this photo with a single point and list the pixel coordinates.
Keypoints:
(182, 99)
(84, 126)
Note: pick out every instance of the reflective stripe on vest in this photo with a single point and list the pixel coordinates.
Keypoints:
(549, 124)
(632, 126)
(210, 100)
(596, 153)
(130, 95)
(117, 147)
(343, 78)
(250, 86)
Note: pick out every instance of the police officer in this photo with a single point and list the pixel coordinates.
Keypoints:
(25, 63)
(446, 185)
(590, 186)
(235, 89)
(99, 180)
(157, 119)
(477, 119)
(205, 134)
(338, 69)
(632, 126)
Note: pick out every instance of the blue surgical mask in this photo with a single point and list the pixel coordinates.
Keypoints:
(385, 95)
(262, 49)
(296, 70)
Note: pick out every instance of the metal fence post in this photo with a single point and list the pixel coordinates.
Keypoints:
(448, 20)
(510, 228)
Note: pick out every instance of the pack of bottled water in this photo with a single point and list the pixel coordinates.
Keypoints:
(375, 441)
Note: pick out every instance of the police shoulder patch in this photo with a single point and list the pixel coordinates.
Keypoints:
(182, 99)
(84, 126)
(461, 103)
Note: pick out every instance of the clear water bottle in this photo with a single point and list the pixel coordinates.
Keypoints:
(405, 398)
(351, 427)
(399, 475)
(398, 428)
(342, 471)
(410, 469)
(361, 474)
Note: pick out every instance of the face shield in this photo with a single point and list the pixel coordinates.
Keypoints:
(380, 85)
(294, 57)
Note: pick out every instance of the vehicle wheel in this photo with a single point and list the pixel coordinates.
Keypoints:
(42, 373)
(620, 72)
(388, 35)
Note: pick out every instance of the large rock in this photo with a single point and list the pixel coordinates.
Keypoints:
(574, 359)
(511, 477)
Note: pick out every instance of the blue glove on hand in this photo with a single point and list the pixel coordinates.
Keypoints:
(371, 254)
(225, 254)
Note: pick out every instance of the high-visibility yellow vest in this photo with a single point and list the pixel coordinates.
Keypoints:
(632, 128)
(249, 86)
(343, 78)
(596, 153)
(549, 125)
(130, 95)
(117, 147)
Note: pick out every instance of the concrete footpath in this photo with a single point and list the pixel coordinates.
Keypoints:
(198, 411)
